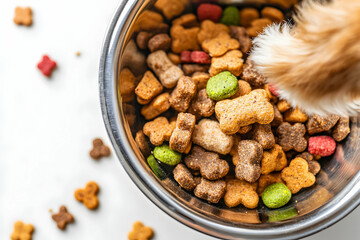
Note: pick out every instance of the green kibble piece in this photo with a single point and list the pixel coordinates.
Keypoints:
(276, 195)
(230, 16)
(155, 167)
(280, 215)
(222, 86)
(166, 155)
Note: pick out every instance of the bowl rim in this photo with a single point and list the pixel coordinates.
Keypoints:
(336, 209)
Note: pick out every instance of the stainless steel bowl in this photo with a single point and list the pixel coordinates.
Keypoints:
(336, 193)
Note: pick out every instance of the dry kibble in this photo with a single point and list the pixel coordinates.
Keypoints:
(231, 61)
(159, 130)
(273, 160)
(62, 218)
(157, 106)
(99, 149)
(210, 30)
(127, 84)
(160, 41)
(242, 111)
(142, 143)
(180, 139)
(211, 191)
(134, 59)
(257, 26)
(184, 39)
(219, 45)
(167, 72)
(200, 79)
(171, 8)
(278, 117)
(245, 129)
(268, 179)
(273, 14)
(241, 192)
(292, 137)
(187, 20)
(244, 88)
(252, 76)
(271, 95)
(240, 34)
(283, 105)
(317, 124)
(248, 167)
(88, 195)
(297, 175)
(190, 69)
(148, 87)
(150, 21)
(143, 38)
(174, 58)
(341, 129)
(234, 149)
(130, 114)
(140, 232)
(208, 135)
(295, 115)
(183, 176)
(183, 93)
(262, 134)
(202, 105)
(314, 166)
(23, 16)
(247, 15)
(22, 231)
(209, 163)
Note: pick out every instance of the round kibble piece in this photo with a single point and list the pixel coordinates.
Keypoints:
(166, 155)
(155, 167)
(230, 16)
(322, 145)
(276, 195)
(222, 86)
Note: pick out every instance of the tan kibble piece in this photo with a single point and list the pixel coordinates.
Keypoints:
(273, 14)
(202, 105)
(23, 16)
(242, 111)
(180, 139)
(187, 20)
(241, 192)
(292, 137)
(317, 124)
(142, 39)
(183, 176)
(209, 163)
(211, 191)
(142, 101)
(159, 130)
(127, 84)
(184, 39)
(234, 149)
(142, 143)
(257, 26)
(160, 41)
(273, 160)
(245, 129)
(278, 117)
(148, 87)
(62, 218)
(156, 107)
(210, 30)
(268, 179)
(240, 34)
(295, 115)
(140, 232)
(150, 21)
(200, 79)
(219, 45)
(244, 88)
(134, 59)
(231, 61)
(341, 129)
(174, 58)
(22, 231)
(99, 149)
(171, 8)
(252, 76)
(165, 70)
(88, 195)
(190, 69)
(262, 134)
(314, 166)
(297, 175)
(208, 135)
(183, 93)
(248, 167)
(283, 105)
(247, 15)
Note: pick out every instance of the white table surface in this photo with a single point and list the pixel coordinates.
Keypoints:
(46, 128)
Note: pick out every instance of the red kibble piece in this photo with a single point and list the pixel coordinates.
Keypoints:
(46, 65)
(185, 57)
(200, 57)
(322, 145)
(209, 11)
(273, 90)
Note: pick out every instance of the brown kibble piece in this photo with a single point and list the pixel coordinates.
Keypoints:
(170, 8)
(231, 61)
(88, 195)
(317, 124)
(252, 76)
(245, 129)
(140, 232)
(283, 105)
(189, 69)
(211, 191)
(208, 135)
(273, 14)
(341, 129)
(314, 166)
(142, 143)
(210, 30)
(257, 26)
(62, 218)
(248, 168)
(200, 79)
(174, 58)
(159, 130)
(210, 165)
(180, 139)
(255, 108)
(273, 160)
(183, 93)
(22, 231)
(262, 134)
(219, 45)
(278, 117)
(202, 105)
(156, 107)
(127, 84)
(247, 15)
(292, 137)
(150, 21)
(184, 39)
(187, 20)
(240, 34)
(241, 192)
(143, 38)
(130, 114)
(148, 87)
(160, 41)
(183, 176)
(133, 59)
(23, 16)
(295, 115)
(268, 179)
(297, 175)
(99, 149)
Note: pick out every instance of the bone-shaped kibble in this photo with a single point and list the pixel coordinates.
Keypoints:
(181, 96)
(242, 111)
(183, 176)
(212, 191)
(241, 192)
(22, 231)
(314, 166)
(167, 72)
(159, 130)
(62, 218)
(273, 160)
(180, 139)
(210, 165)
(317, 124)
(231, 61)
(219, 45)
(88, 195)
(292, 137)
